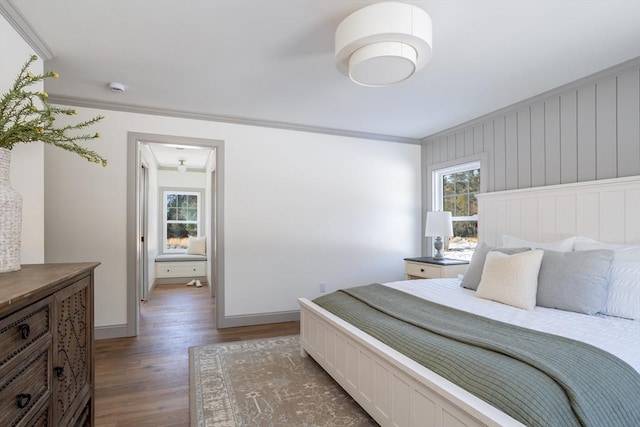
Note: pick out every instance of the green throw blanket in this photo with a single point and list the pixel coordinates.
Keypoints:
(538, 379)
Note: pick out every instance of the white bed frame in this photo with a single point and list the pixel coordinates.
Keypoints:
(395, 390)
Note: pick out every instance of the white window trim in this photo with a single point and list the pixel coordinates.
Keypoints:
(163, 222)
(456, 165)
(438, 190)
(431, 200)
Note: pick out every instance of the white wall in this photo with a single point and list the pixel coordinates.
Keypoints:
(189, 179)
(299, 208)
(27, 160)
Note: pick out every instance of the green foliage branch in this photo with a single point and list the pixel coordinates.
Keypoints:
(26, 116)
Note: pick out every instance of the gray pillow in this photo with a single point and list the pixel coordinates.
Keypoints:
(574, 281)
(472, 276)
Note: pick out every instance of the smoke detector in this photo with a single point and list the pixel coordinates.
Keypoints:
(116, 87)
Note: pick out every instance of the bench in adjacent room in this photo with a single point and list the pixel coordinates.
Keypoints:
(180, 266)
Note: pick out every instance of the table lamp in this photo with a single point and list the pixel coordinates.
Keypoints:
(438, 225)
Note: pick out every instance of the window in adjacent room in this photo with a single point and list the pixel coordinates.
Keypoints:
(455, 190)
(181, 219)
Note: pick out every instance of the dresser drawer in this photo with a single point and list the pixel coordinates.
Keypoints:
(23, 328)
(43, 417)
(46, 346)
(25, 385)
(423, 270)
(180, 269)
(431, 270)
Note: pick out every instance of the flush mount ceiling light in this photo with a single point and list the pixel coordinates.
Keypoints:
(181, 167)
(383, 44)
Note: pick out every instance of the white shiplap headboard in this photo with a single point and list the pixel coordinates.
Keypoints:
(607, 210)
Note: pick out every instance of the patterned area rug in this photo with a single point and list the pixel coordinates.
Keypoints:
(266, 383)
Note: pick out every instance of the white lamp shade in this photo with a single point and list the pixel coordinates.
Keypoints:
(383, 43)
(439, 224)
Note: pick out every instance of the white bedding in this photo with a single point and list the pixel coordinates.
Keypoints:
(615, 335)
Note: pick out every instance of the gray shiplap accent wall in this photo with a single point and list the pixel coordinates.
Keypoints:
(587, 130)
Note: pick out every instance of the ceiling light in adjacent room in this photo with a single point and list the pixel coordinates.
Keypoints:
(181, 167)
(383, 44)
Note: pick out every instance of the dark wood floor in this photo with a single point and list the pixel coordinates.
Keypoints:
(144, 381)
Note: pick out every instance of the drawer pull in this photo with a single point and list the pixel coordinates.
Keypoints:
(25, 330)
(59, 370)
(422, 270)
(23, 400)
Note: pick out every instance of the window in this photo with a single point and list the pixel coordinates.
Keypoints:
(455, 190)
(181, 219)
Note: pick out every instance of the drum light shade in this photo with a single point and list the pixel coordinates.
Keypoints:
(383, 44)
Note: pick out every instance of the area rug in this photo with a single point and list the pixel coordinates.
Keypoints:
(266, 383)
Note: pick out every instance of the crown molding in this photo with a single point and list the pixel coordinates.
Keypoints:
(630, 64)
(88, 103)
(26, 31)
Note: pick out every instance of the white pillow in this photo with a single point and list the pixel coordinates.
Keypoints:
(623, 293)
(197, 246)
(565, 245)
(587, 244)
(511, 279)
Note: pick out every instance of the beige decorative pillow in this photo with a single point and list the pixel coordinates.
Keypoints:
(511, 279)
(472, 276)
(197, 246)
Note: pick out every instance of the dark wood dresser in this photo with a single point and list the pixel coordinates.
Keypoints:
(46, 345)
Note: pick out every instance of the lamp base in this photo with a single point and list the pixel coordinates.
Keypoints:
(438, 245)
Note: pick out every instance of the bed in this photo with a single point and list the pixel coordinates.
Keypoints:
(396, 390)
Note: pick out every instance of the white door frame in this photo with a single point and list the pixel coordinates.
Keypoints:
(142, 258)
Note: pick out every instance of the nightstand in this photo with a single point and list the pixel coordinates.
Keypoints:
(431, 268)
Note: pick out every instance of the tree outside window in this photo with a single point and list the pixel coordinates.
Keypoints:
(459, 197)
(181, 219)
(455, 190)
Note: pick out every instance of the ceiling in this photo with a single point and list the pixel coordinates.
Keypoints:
(271, 62)
(168, 156)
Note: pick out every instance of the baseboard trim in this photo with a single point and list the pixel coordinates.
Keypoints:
(121, 331)
(107, 332)
(259, 319)
(178, 280)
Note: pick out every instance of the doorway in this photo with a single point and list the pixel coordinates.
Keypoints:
(138, 259)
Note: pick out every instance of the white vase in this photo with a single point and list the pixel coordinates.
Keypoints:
(10, 218)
